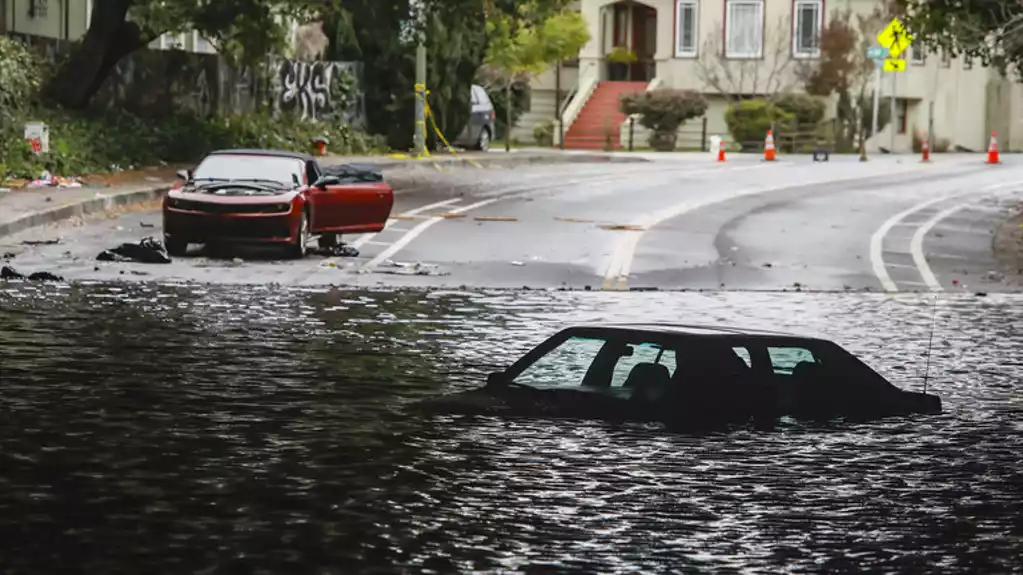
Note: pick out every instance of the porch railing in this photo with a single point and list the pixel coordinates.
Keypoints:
(638, 71)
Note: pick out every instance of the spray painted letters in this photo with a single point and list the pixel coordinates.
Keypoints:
(307, 88)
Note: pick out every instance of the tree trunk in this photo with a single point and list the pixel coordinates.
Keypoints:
(109, 39)
(508, 116)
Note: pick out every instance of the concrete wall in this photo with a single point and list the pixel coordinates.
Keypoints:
(152, 81)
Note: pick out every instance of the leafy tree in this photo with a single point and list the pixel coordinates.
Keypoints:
(380, 34)
(990, 31)
(244, 30)
(845, 70)
(528, 38)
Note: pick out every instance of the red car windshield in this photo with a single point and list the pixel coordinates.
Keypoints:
(288, 171)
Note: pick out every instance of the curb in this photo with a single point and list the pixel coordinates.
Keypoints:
(83, 208)
(525, 159)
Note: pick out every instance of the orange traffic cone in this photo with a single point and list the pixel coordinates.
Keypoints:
(925, 148)
(769, 147)
(721, 152)
(992, 150)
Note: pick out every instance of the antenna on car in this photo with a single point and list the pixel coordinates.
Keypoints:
(930, 342)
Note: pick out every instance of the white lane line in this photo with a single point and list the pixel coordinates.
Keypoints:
(508, 195)
(617, 272)
(417, 231)
(916, 246)
(877, 240)
(389, 226)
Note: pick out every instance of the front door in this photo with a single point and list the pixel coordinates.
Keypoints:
(356, 208)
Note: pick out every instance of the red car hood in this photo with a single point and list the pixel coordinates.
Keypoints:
(235, 197)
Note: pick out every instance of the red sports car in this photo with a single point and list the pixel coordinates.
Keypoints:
(272, 197)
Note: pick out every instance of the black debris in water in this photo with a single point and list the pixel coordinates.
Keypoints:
(147, 251)
(9, 273)
(338, 251)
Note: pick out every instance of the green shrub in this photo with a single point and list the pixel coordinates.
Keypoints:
(806, 110)
(19, 84)
(543, 133)
(663, 112)
(748, 121)
(93, 142)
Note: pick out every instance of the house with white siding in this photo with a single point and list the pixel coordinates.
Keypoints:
(728, 48)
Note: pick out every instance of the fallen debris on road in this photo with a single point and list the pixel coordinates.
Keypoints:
(338, 251)
(147, 251)
(412, 269)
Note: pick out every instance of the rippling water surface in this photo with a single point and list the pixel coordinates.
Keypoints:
(175, 429)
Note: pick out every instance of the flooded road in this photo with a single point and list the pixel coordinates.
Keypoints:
(229, 430)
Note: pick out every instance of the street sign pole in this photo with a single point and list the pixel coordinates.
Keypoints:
(893, 115)
(878, 65)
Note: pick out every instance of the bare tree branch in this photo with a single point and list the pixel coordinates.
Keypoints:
(736, 78)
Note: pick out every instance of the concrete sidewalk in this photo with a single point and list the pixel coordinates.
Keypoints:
(31, 207)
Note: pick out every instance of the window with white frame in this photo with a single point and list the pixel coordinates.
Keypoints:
(807, 21)
(171, 41)
(967, 62)
(685, 28)
(946, 59)
(744, 28)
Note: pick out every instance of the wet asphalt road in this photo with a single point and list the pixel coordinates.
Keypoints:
(680, 223)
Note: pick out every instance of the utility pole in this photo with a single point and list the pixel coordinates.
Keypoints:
(420, 136)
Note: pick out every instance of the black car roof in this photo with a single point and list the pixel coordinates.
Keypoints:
(691, 330)
(257, 152)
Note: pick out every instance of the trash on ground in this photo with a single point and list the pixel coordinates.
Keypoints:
(622, 228)
(41, 242)
(494, 219)
(9, 273)
(338, 251)
(517, 263)
(147, 251)
(147, 225)
(412, 269)
(48, 180)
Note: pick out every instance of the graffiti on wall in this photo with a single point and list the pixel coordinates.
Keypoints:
(318, 90)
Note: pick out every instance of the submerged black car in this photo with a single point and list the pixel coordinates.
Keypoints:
(686, 375)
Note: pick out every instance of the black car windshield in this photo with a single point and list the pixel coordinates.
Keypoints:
(250, 168)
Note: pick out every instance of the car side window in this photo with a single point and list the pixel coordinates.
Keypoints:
(785, 359)
(642, 353)
(312, 172)
(563, 366)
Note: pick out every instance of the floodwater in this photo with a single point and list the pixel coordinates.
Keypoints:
(186, 429)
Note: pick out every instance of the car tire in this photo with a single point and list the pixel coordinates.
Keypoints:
(328, 240)
(175, 247)
(297, 249)
(483, 144)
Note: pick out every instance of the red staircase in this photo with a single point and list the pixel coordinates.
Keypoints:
(599, 115)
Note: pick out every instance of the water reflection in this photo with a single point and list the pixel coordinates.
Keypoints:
(179, 428)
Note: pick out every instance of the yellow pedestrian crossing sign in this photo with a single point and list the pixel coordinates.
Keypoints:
(895, 37)
(894, 65)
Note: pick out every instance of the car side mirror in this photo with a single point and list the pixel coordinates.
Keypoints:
(498, 378)
(184, 175)
(325, 181)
